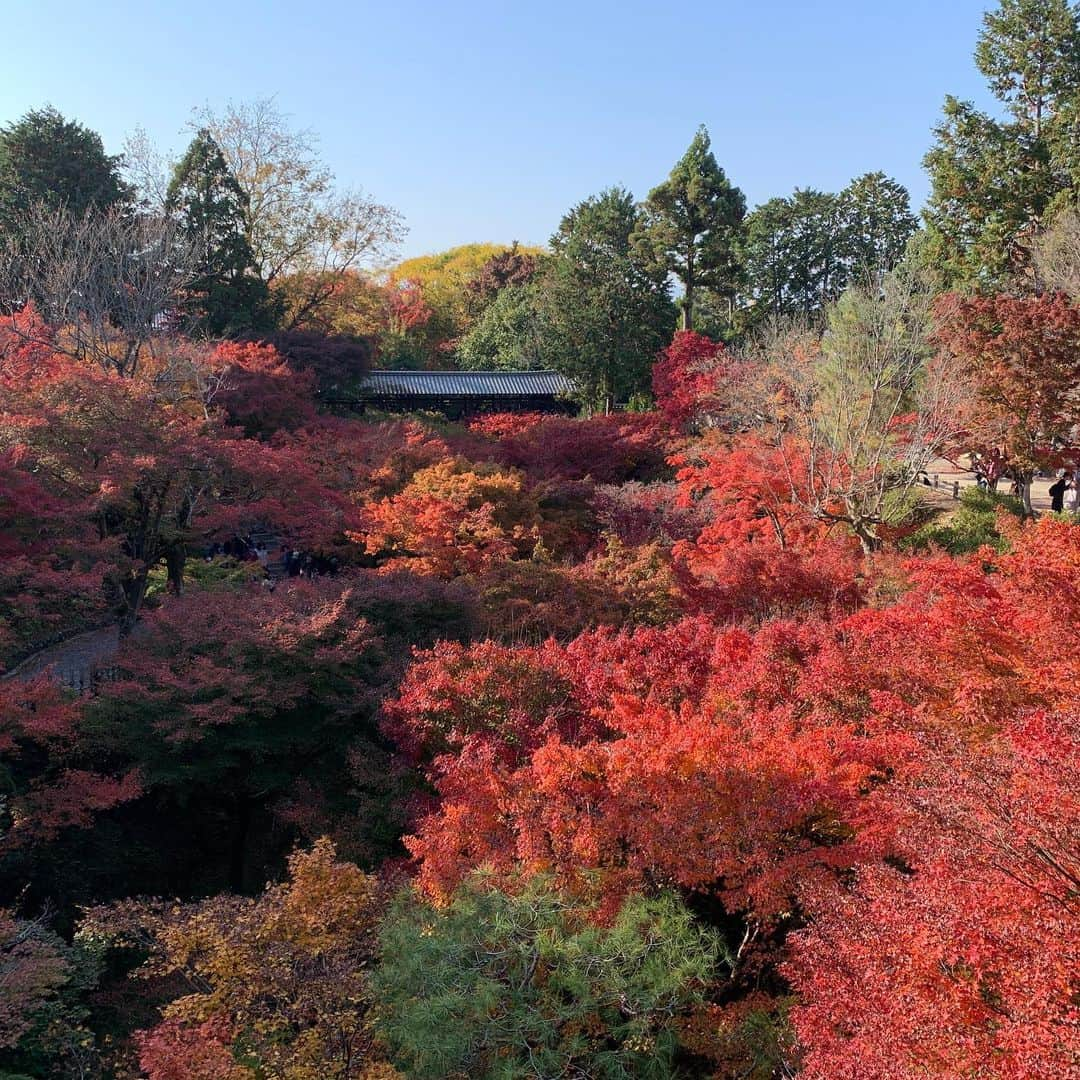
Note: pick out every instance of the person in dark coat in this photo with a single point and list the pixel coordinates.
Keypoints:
(1057, 494)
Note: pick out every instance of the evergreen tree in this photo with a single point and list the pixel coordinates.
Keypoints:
(802, 252)
(794, 254)
(508, 335)
(876, 224)
(693, 223)
(996, 181)
(228, 295)
(496, 985)
(606, 309)
(45, 158)
(768, 257)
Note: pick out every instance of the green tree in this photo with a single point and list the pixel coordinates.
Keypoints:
(693, 224)
(229, 297)
(994, 181)
(768, 255)
(802, 252)
(606, 310)
(876, 225)
(794, 254)
(506, 986)
(47, 159)
(508, 336)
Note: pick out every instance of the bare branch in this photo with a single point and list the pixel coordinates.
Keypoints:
(108, 281)
(859, 411)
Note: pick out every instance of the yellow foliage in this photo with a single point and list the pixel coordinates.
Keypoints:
(285, 972)
(443, 278)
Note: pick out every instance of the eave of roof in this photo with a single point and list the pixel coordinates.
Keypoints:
(465, 384)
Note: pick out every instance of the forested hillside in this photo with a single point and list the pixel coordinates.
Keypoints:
(703, 733)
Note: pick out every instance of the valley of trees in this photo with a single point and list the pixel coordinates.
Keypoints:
(694, 736)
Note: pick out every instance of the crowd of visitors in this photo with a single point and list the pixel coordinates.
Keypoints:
(276, 560)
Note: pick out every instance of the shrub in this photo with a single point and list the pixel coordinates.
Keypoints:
(974, 524)
(499, 985)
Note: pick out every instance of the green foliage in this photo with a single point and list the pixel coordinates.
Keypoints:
(222, 574)
(973, 525)
(229, 296)
(877, 225)
(693, 224)
(802, 252)
(506, 986)
(606, 309)
(995, 181)
(508, 336)
(790, 252)
(45, 158)
(767, 1042)
(405, 351)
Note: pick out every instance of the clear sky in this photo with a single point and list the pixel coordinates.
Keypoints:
(486, 121)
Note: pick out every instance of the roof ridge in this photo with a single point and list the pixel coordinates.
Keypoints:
(487, 373)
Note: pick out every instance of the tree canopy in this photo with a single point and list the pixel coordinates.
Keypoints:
(228, 296)
(607, 308)
(693, 225)
(996, 180)
(46, 158)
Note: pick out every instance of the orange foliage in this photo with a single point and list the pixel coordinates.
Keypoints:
(453, 518)
(282, 979)
(904, 778)
(758, 554)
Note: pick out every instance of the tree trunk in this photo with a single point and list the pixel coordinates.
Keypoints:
(689, 284)
(868, 539)
(175, 560)
(1025, 493)
(134, 590)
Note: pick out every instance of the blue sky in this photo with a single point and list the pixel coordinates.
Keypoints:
(486, 121)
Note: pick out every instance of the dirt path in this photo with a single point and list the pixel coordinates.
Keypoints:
(948, 474)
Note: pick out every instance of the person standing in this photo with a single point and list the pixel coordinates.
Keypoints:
(1072, 495)
(1057, 493)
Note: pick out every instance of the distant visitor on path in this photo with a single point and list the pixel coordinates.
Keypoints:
(1072, 495)
(1057, 493)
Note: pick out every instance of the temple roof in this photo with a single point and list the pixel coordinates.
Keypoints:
(465, 384)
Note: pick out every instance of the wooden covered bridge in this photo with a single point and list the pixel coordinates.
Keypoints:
(464, 393)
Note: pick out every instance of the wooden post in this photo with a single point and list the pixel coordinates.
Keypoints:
(956, 489)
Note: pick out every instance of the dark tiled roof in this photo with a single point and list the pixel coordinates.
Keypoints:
(444, 384)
